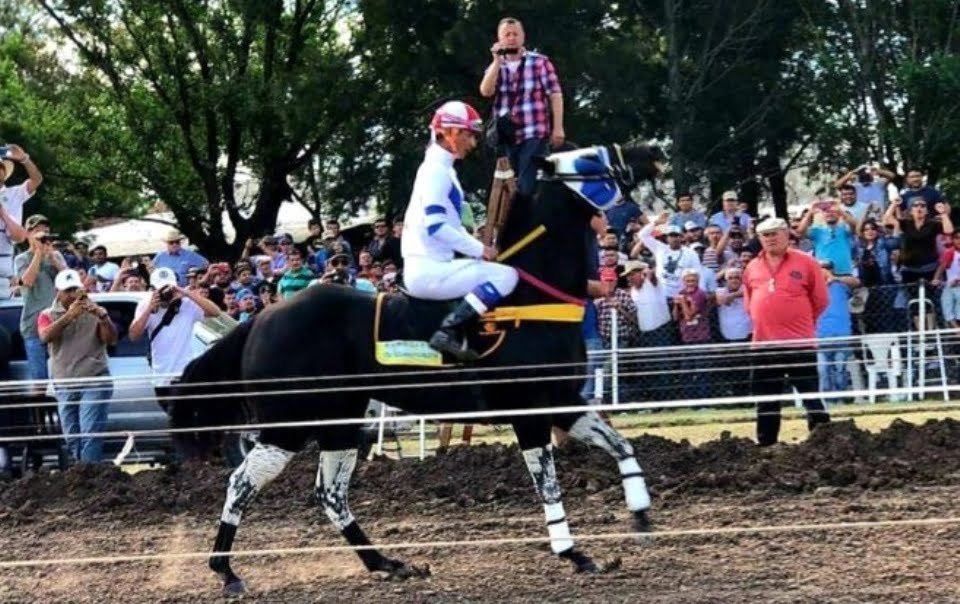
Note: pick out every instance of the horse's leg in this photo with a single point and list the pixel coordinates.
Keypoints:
(262, 464)
(333, 482)
(590, 428)
(539, 460)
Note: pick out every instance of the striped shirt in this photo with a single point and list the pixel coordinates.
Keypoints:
(523, 93)
(293, 281)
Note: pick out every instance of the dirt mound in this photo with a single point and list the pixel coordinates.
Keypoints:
(835, 455)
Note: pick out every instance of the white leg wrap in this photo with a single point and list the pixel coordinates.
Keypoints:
(591, 429)
(544, 472)
(557, 527)
(262, 464)
(333, 484)
(634, 486)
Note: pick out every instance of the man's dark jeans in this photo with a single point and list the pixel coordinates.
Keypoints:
(521, 158)
(773, 373)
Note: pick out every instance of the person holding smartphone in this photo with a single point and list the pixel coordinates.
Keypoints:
(36, 269)
(527, 101)
(12, 200)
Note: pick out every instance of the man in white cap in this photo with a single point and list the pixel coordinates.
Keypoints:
(671, 257)
(785, 293)
(168, 317)
(12, 200)
(178, 258)
(78, 332)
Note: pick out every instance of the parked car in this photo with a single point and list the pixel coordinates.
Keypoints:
(136, 406)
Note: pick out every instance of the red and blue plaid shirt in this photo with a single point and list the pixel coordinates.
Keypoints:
(525, 95)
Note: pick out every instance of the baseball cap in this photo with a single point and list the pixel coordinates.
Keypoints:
(36, 220)
(691, 226)
(729, 195)
(243, 294)
(163, 277)
(670, 229)
(67, 279)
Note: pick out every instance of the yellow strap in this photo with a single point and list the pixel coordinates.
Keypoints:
(516, 247)
(560, 313)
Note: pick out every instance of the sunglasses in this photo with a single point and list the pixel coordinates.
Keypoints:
(338, 263)
(919, 205)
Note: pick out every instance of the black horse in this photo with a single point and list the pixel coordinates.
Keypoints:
(285, 359)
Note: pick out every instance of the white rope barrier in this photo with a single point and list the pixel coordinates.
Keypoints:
(466, 416)
(495, 542)
(748, 350)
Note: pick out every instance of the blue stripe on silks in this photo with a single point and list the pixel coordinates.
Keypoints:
(433, 228)
(583, 165)
(487, 294)
(600, 193)
(435, 209)
(456, 198)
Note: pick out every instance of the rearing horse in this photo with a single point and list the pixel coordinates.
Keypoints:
(296, 346)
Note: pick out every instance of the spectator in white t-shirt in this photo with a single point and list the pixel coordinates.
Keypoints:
(735, 324)
(102, 271)
(12, 200)
(168, 317)
(870, 184)
(671, 257)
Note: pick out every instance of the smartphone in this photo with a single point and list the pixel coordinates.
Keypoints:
(4, 152)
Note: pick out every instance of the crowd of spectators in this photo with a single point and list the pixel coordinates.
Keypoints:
(676, 279)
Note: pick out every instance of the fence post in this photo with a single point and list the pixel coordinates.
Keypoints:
(614, 358)
(922, 364)
(383, 415)
(423, 438)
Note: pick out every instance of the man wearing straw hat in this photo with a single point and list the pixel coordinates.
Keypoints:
(12, 200)
(178, 258)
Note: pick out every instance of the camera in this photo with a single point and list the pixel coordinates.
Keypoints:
(45, 239)
(507, 51)
(166, 294)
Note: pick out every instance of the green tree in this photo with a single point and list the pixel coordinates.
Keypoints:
(216, 96)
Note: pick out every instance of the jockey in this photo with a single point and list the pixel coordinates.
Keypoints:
(433, 232)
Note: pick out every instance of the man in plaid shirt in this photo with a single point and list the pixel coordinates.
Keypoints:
(522, 82)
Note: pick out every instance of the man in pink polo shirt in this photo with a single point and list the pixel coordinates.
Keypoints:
(784, 292)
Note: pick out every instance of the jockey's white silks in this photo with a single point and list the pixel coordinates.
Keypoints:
(602, 193)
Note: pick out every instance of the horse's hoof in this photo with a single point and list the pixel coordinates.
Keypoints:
(582, 563)
(234, 588)
(641, 522)
(394, 570)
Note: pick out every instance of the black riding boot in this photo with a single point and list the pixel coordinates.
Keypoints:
(451, 338)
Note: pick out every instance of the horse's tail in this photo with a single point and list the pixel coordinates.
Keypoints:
(215, 372)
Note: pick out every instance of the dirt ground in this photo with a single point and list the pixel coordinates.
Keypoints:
(840, 474)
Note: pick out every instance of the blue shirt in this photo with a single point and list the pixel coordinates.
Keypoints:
(681, 219)
(180, 263)
(833, 243)
(721, 220)
(835, 321)
(619, 216)
(928, 193)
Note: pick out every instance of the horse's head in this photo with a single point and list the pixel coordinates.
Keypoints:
(601, 176)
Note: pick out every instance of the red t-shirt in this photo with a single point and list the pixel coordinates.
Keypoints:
(789, 309)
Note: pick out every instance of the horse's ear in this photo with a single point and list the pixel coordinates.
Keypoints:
(542, 163)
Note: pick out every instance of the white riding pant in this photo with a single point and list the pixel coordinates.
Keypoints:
(437, 280)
